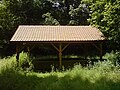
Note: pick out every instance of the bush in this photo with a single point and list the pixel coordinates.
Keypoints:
(25, 62)
(114, 57)
(102, 76)
(8, 63)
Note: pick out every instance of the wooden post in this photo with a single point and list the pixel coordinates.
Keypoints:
(101, 52)
(60, 55)
(84, 48)
(17, 56)
(60, 49)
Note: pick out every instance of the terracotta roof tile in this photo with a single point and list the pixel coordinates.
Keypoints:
(57, 33)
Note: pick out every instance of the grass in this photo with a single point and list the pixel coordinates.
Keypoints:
(101, 76)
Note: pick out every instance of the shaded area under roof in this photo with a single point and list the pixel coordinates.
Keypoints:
(60, 37)
(38, 33)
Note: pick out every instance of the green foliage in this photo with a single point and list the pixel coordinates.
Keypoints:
(114, 57)
(21, 8)
(101, 76)
(8, 24)
(49, 20)
(79, 15)
(105, 14)
(7, 64)
(25, 62)
(35, 12)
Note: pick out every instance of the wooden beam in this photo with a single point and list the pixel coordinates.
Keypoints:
(55, 47)
(100, 49)
(65, 47)
(30, 47)
(56, 42)
(60, 49)
(96, 47)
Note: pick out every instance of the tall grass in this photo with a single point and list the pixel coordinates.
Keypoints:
(113, 56)
(102, 76)
(8, 63)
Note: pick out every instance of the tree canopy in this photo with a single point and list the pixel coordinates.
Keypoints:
(49, 12)
(104, 14)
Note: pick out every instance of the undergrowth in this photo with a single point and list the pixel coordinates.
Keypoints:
(102, 76)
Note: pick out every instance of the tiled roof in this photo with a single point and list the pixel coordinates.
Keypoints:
(57, 33)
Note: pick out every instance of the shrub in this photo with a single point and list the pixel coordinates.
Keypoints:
(114, 57)
(102, 76)
(25, 62)
(8, 63)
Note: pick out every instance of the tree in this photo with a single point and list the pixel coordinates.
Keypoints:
(49, 20)
(8, 24)
(79, 15)
(27, 10)
(105, 14)
(35, 12)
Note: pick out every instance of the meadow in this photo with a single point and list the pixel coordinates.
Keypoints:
(100, 76)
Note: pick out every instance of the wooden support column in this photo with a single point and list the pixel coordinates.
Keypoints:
(17, 54)
(60, 49)
(101, 52)
(18, 50)
(100, 49)
(60, 55)
(85, 49)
